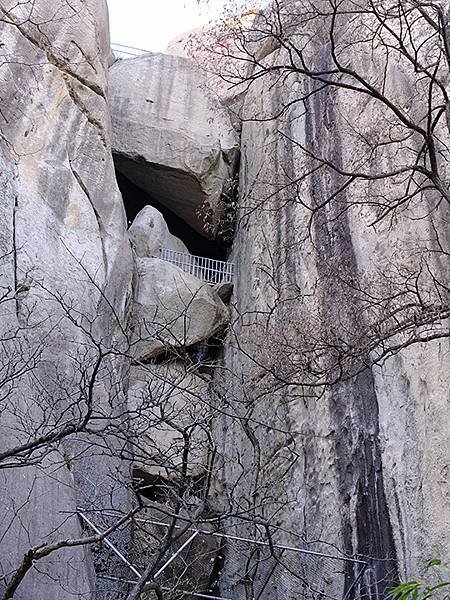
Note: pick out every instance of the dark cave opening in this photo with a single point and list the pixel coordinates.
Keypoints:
(153, 487)
(134, 199)
(158, 488)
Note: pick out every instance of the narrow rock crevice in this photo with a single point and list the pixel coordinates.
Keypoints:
(85, 56)
(135, 199)
(86, 113)
(101, 228)
(14, 252)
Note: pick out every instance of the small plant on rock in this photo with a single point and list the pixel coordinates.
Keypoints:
(422, 589)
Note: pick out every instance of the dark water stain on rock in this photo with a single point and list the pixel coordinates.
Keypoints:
(365, 520)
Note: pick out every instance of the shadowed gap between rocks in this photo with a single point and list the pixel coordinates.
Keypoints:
(134, 199)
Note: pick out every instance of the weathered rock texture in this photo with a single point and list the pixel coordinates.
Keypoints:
(225, 51)
(346, 449)
(172, 309)
(149, 233)
(165, 400)
(362, 464)
(171, 137)
(62, 229)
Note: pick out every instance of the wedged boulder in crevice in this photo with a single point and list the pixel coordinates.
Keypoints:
(162, 399)
(171, 137)
(172, 309)
(149, 232)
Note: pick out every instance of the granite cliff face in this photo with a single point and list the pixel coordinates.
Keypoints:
(314, 277)
(358, 456)
(311, 411)
(63, 227)
(73, 296)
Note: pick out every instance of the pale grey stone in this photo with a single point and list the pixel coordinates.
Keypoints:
(171, 137)
(161, 398)
(235, 42)
(64, 232)
(149, 232)
(224, 291)
(376, 443)
(172, 309)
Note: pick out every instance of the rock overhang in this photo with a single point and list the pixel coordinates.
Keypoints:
(171, 136)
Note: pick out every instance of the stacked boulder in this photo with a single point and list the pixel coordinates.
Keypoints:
(172, 312)
(171, 136)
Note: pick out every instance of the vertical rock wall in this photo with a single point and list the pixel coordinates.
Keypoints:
(66, 268)
(360, 465)
(357, 467)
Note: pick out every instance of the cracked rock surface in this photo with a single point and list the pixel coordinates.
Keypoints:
(62, 225)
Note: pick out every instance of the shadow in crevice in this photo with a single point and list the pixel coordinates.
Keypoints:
(134, 199)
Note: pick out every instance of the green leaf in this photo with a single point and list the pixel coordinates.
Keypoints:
(403, 591)
(439, 586)
(420, 590)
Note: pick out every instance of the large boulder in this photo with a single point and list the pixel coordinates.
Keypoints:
(164, 399)
(172, 309)
(149, 232)
(171, 137)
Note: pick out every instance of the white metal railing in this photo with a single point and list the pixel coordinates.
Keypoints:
(122, 51)
(206, 269)
(132, 568)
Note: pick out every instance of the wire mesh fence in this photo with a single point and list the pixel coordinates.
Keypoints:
(212, 563)
(206, 269)
(221, 566)
(258, 570)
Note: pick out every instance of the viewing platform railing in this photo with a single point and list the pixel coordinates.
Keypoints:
(122, 51)
(207, 269)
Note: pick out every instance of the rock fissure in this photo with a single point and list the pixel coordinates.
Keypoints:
(225, 374)
(14, 252)
(86, 113)
(85, 56)
(101, 228)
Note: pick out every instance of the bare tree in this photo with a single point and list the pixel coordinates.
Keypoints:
(341, 243)
(176, 529)
(215, 446)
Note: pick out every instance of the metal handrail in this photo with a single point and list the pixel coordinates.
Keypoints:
(108, 543)
(207, 269)
(361, 566)
(117, 552)
(123, 51)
